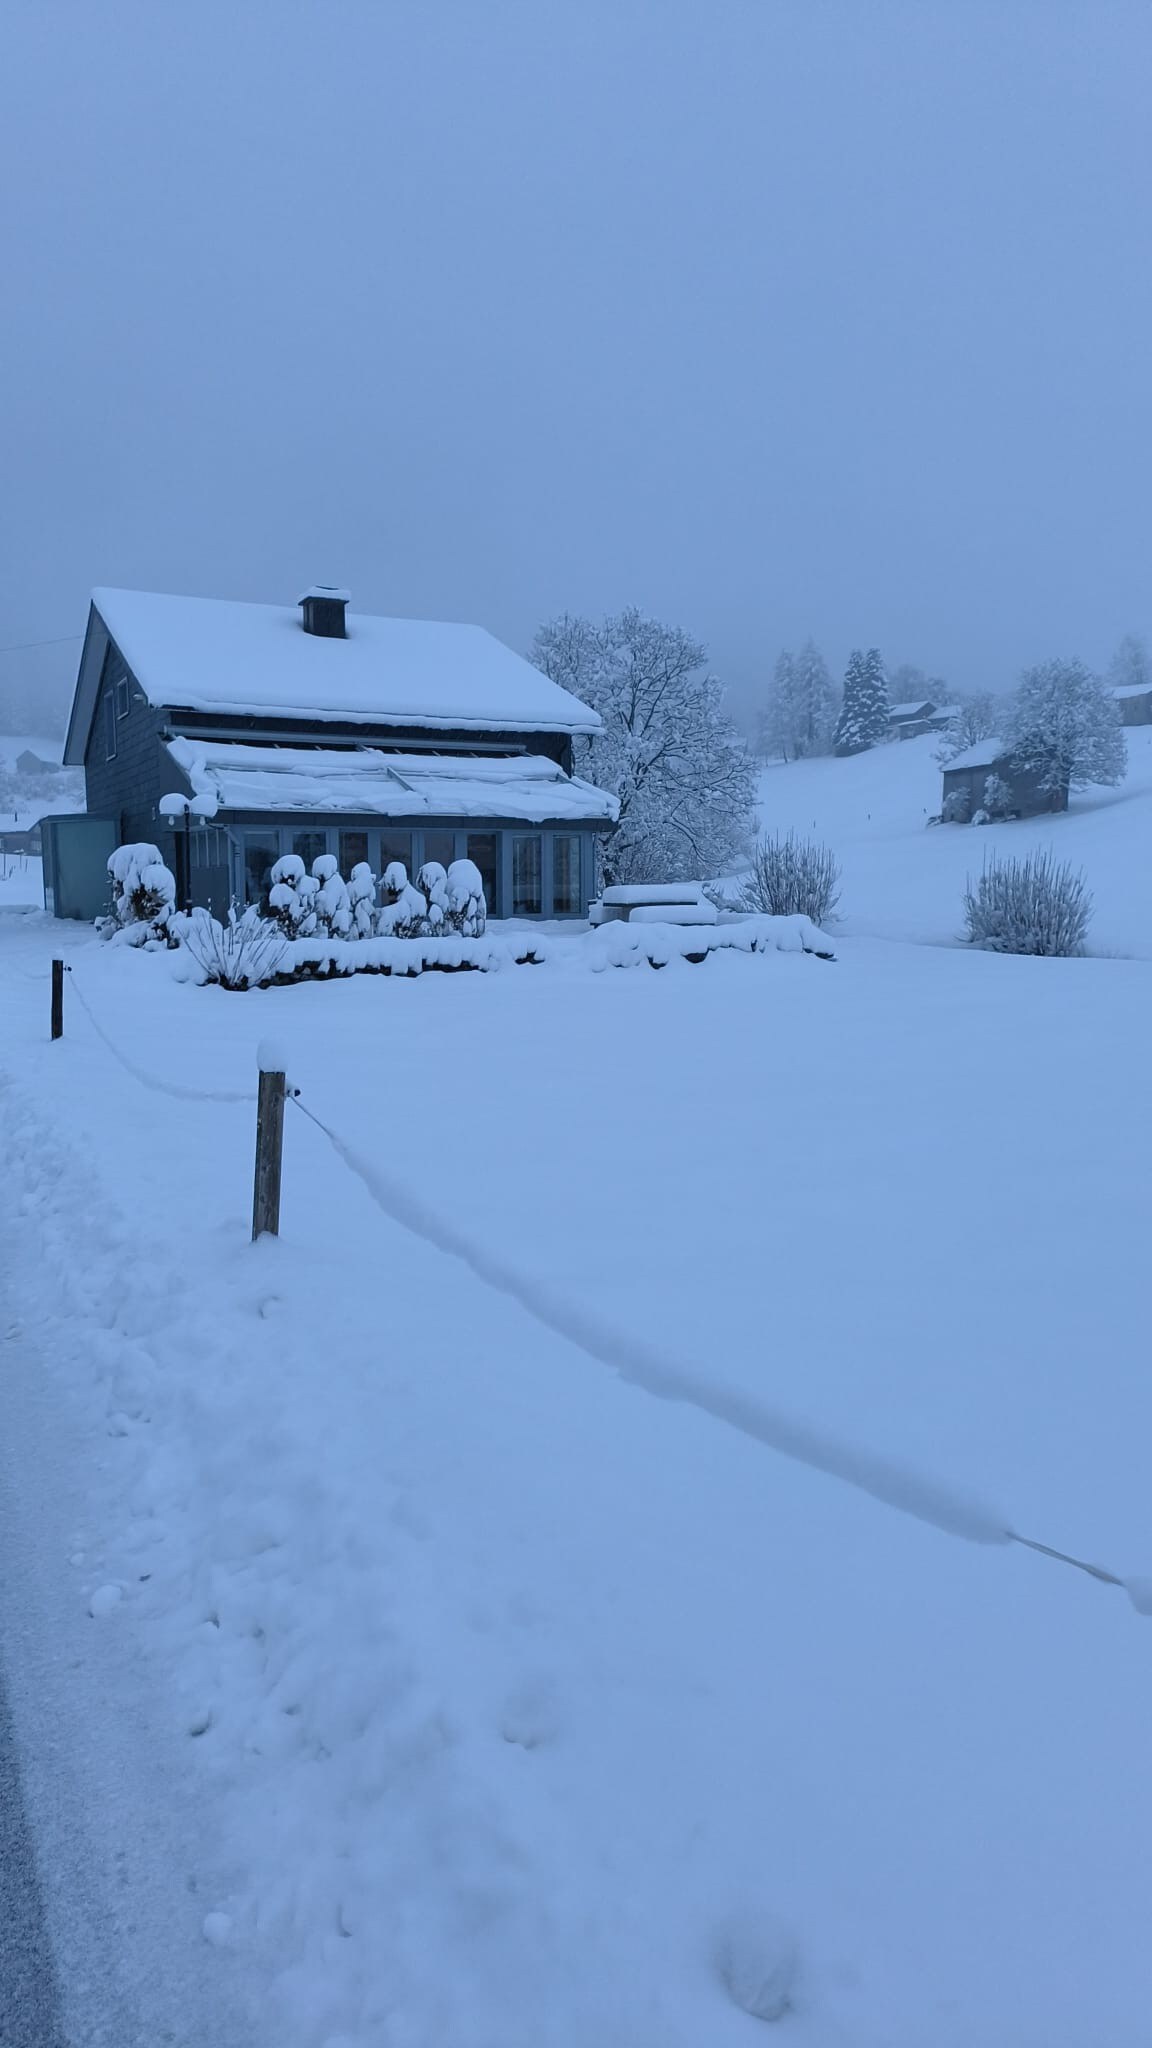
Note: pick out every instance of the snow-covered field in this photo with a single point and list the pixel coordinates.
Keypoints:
(903, 880)
(498, 1703)
(22, 802)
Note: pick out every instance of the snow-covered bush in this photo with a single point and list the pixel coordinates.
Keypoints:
(791, 877)
(997, 797)
(980, 817)
(957, 807)
(404, 909)
(1036, 905)
(432, 881)
(290, 908)
(467, 909)
(362, 900)
(243, 953)
(143, 894)
(331, 902)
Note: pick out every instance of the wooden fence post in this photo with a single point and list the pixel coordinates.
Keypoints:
(57, 999)
(269, 1153)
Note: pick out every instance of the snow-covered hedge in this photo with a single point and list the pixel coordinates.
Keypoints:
(143, 896)
(1037, 905)
(251, 952)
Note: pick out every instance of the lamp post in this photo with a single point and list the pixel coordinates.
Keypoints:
(173, 809)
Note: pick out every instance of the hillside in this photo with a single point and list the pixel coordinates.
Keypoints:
(904, 880)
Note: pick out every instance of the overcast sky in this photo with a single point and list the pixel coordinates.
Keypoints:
(774, 317)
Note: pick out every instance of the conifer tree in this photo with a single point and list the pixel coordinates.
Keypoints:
(863, 719)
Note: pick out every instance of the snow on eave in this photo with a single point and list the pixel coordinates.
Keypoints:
(1131, 690)
(919, 710)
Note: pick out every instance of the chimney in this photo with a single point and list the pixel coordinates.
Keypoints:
(323, 608)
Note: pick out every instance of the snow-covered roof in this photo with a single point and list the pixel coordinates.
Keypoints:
(366, 780)
(982, 755)
(210, 654)
(919, 710)
(1132, 690)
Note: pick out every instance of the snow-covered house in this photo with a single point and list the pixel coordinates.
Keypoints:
(908, 721)
(966, 778)
(315, 730)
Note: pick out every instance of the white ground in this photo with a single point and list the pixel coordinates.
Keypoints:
(521, 1692)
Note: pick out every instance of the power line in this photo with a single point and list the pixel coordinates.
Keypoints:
(27, 646)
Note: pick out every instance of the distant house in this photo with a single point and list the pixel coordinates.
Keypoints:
(29, 763)
(908, 721)
(1134, 701)
(965, 779)
(317, 730)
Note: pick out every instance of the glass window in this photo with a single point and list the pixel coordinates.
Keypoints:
(308, 846)
(396, 846)
(526, 874)
(566, 893)
(122, 701)
(482, 849)
(110, 725)
(353, 849)
(261, 853)
(440, 845)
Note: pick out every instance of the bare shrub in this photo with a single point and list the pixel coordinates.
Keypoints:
(244, 953)
(1036, 905)
(791, 877)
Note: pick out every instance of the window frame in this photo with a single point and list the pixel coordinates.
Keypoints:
(110, 725)
(123, 696)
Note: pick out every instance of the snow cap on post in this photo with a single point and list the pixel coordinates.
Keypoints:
(271, 1057)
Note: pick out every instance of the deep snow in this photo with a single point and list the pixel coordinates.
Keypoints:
(508, 1698)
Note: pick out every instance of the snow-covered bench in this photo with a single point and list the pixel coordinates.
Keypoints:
(653, 903)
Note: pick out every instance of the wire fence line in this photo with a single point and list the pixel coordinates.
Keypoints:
(643, 1365)
(154, 1081)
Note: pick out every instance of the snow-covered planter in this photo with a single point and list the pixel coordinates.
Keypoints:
(143, 896)
(791, 877)
(1037, 905)
(247, 952)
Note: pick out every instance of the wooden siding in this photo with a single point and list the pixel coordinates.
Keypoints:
(128, 787)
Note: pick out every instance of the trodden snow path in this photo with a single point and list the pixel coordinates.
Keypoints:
(523, 1708)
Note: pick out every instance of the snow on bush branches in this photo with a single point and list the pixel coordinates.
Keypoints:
(791, 877)
(143, 896)
(1036, 905)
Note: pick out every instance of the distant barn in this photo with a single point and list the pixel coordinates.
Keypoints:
(1134, 703)
(965, 779)
(29, 763)
(908, 721)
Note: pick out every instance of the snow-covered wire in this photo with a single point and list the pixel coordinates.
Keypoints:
(895, 1485)
(153, 1080)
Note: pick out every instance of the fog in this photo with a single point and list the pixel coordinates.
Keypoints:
(774, 319)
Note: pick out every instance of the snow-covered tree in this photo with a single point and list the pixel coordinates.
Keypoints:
(332, 905)
(1130, 667)
(863, 720)
(801, 708)
(404, 909)
(815, 701)
(1065, 728)
(976, 718)
(684, 777)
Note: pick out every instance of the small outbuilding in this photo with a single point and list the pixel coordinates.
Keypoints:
(29, 763)
(1134, 703)
(908, 721)
(966, 785)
